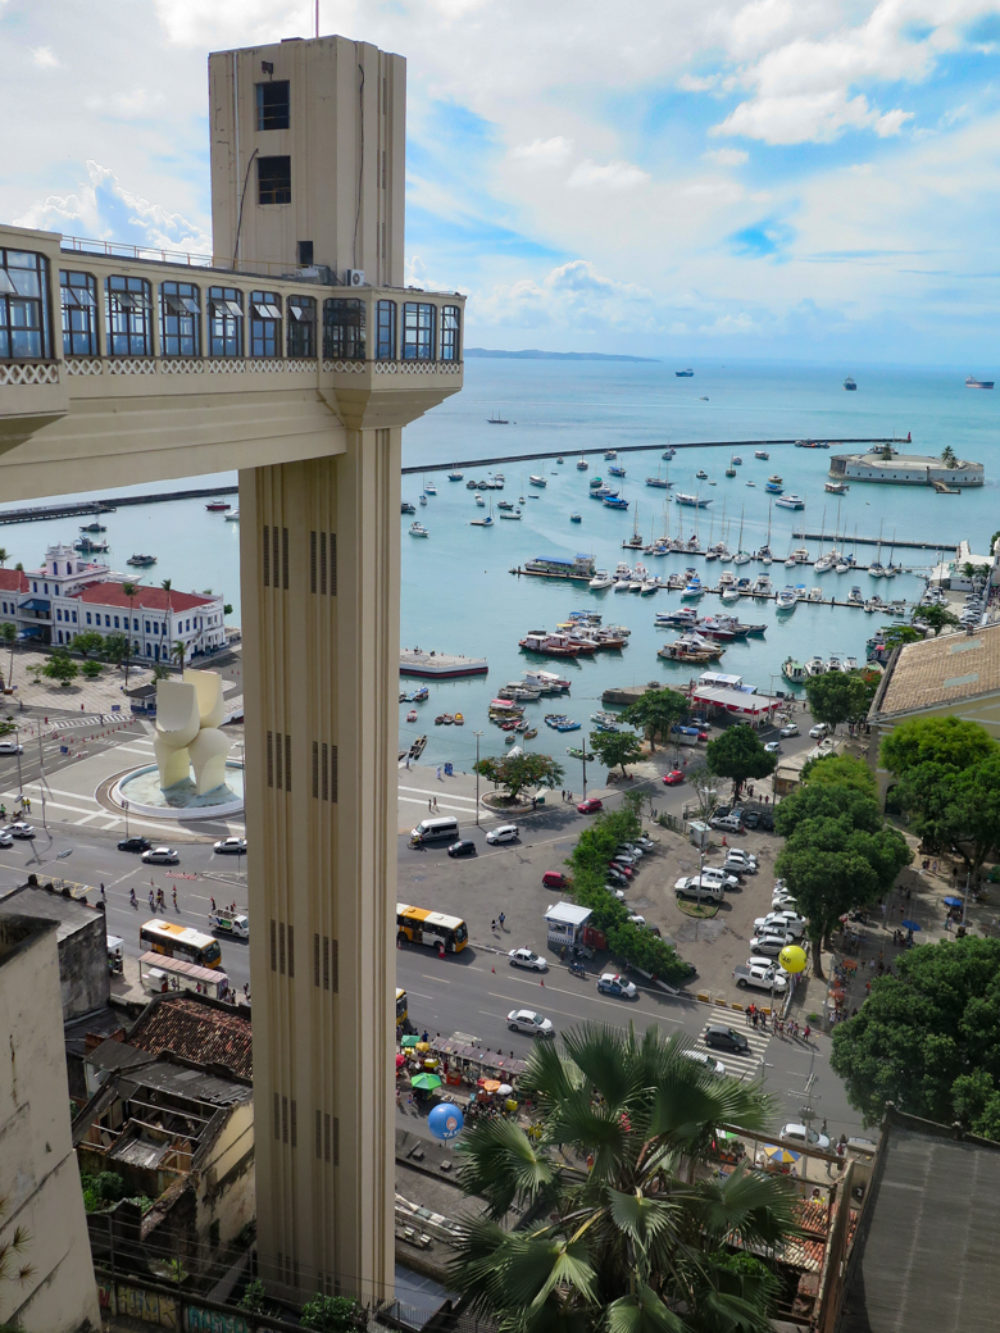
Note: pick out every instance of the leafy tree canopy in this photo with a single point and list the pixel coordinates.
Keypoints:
(116, 648)
(62, 668)
(927, 1038)
(841, 696)
(87, 642)
(739, 754)
(892, 635)
(825, 800)
(948, 741)
(514, 772)
(936, 616)
(633, 1242)
(954, 811)
(840, 770)
(616, 748)
(655, 712)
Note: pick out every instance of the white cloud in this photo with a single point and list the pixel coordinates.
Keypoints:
(727, 157)
(588, 175)
(544, 152)
(44, 57)
(126, 105)
(571, 296)
(817, 117)
(698, 83)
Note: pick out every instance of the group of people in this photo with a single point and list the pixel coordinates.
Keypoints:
(25, 809)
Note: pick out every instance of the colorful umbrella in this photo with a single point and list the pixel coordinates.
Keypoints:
(504, 1090)
(426, 1082)
(423, 1046)
(410, 1040)
(783, 1155)
(491, 1085)
(953, 902)
(910, 925)
(400, 1059)
(849, 964)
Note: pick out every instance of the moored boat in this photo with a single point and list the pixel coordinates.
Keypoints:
(141, 561)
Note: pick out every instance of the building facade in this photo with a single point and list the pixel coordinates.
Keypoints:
(295, 354)
(905, 470)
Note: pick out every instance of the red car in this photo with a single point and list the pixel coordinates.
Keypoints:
(590, 805)
(674, 778)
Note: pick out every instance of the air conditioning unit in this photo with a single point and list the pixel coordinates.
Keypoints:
(313, 273)
(354, 277)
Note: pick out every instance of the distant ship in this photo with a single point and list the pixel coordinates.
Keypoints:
(684, 374)
(973, 383)
(497, 420)
(849, 384)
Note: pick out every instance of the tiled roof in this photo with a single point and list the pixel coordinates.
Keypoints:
(200, 1030)
(940, 671)
(13, 580)
(144, 598)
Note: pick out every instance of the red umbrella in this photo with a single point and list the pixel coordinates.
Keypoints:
(400, 1060)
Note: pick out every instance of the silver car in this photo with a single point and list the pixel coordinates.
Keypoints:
(526, 1020)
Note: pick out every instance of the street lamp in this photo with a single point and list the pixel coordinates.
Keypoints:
(477, 735)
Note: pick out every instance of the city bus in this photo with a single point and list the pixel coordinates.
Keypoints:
(174, 941)
(401, 1008)
(160, 975)
(417, 925)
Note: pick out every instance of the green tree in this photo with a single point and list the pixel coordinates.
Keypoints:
(955, 810)
(841, 696)
(87, 642)
(179, 651)
(514, 772)
(115, 648)
(654, 713)
(936, 617)
(639, 1241)
(893, 635)
(62, 668)
(815, 799)
(840, 770)
(227, 609)
(948, 457)
(739, 754)
(949, 741)
(92, 670)
(131, 591)
(4, 556)
(701, 783)
(167, 586)
(927, 1038)
(332, 1314)
(615, 748)
(8, 637)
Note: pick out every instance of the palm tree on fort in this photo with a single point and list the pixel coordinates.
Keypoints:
(632, 1229)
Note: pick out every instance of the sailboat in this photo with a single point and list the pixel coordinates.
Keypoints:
(741, 557)
(486, 522)
(764, 552)
(876, 569)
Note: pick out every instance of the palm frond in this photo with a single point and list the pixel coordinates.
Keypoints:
(641, 1218)
(644, 1312)
(756, 1207)
(550, 1076)
(501, 1165)
(607, 1058)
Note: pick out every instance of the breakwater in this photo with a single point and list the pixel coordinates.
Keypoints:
(75, 508)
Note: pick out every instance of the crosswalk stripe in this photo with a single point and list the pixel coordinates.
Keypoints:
(738, 1066)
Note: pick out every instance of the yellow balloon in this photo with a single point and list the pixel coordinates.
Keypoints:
(792, 958)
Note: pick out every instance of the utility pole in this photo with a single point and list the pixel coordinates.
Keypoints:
(477, 735)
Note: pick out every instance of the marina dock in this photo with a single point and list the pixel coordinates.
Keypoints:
(875, 541)
(75, 508)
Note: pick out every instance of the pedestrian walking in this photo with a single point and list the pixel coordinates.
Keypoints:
(749, 1014)
(152, 901)
(174, 893)
(806, 1031)
(430, 804)
(493, 926)
(502, 918)
(104, 896)
(435, 803)
(439, 775)
(212, 901)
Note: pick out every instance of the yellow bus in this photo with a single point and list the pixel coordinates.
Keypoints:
(417, 925)
(401, 1007)
(175, 941)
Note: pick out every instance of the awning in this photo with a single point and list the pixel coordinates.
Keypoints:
(736, 701)
(35, 604)
(31, 632)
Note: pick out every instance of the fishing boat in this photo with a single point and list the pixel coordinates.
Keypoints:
(761, 453)
(614, 502)
(418, 530)
(93, 527)
(701, 474)
(141, 561)
(692, 501)
(87, 546)
(218, 506)
(776, 478)
(455, 475)
(836, 487)
(616, 471)
(973, 383)
(684, 374)
(816, 666)
(560, 722)
(582, 464)
(605, 721)
(407, 508)
(691, 648)
(430, 488)
(512, 515)
(536, 480)
(668, 454)
(576, 518)
(610, 453)
(411, 715)
(480, 501)
(794, 672)
(773, 487)
(849, 384)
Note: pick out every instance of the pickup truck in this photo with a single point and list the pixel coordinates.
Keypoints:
(233, 923)
(688, 887)
(760, 978)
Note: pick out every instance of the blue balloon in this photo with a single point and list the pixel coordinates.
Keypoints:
(445, 1121)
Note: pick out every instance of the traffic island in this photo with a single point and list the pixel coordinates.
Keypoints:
(701, 911)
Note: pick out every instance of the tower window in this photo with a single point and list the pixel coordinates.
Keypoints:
(385, 346)
(24, 311)
(272, 105)
(79, 313)
(274, 180)
(128, 309)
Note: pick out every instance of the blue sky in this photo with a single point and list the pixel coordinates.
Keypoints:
(793, 178)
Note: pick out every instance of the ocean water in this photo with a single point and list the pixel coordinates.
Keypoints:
(458, 594)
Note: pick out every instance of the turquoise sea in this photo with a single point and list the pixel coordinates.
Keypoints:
(458, 595)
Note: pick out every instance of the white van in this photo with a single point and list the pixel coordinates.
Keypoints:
(436, 830)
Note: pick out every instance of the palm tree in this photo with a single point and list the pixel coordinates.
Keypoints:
(130, 590)
(641, 1237)
(937, 617)
(179, 650)
(8, 636)
(4, 556)
(948, 456)
(166, 585)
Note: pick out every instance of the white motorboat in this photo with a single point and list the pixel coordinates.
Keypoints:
(790, 501)
(787, 599)
(602, 579)
(418, 530)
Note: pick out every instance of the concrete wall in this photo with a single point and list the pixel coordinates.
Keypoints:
(84, 982)
(39, 1180)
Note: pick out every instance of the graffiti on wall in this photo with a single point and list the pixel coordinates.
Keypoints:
(214, 1321)
(152, 1307)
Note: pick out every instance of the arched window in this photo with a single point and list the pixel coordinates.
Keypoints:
(265, 324)
(343, 330)
(180, 319)
(79, 313)
(226, 321)
(24, 306)
(451, 346)
(301, 326)
(128, 312)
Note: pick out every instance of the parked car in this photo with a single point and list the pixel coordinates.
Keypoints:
(528, 958)
(632, 848)
(502, 833)
(760, 978)
(10, 747)
(730, 823)
(789, 729)
(709, 1062)
(785, 919)
(717, 875)
(231, 846)
(772, 747)
(812, 1138)
(619, 893)
(134, 845)
(623, 869)
(464, 847)
(647, 844)
(689, 887)
(161, 856)
(625, 859)
(5, 838)
(726, 1039)
(738, 862)
(820, 731)
(590, 806)
(610, 983)
(758, 960)
(674, 778)
(770, 945)
(526, 1020)
(616, 876)
(556, 879)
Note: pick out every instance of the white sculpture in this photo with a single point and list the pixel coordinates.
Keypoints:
(188, 713)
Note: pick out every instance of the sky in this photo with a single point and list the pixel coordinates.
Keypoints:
(683, 179)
